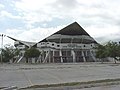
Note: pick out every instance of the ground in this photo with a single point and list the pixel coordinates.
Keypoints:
(24, 75)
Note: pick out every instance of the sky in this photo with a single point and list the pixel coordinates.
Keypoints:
(34, 20)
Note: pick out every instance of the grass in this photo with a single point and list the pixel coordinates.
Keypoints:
(85, 84)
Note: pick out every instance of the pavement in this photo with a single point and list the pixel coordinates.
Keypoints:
(24, 75)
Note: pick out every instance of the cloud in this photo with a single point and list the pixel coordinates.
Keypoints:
(104, 34)
(34, 11)
(4, 14)
(39, 10)
(66, 4)
(33, 5)
(100, 18)
(1, 6)
(33, 35)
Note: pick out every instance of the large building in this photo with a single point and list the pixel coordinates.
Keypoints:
(70, 44)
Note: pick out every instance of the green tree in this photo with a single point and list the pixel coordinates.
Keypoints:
(101, 52)
(32, 53)
(113, 49)
(110, 49)
(8, 52)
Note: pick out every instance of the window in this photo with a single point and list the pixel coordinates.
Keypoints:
(84, 46)
(58, 45)
(52, 44)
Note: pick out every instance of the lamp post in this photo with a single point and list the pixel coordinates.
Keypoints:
(2, 35)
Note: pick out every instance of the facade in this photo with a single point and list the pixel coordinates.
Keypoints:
(22, 46)
(70, 44)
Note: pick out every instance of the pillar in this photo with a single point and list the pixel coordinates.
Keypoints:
(46, 57)
(73, 54)
(49, 56)
(61, 59)
(93, 57)
(83, 56)
(53, 56)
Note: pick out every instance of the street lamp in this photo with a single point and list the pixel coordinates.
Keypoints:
(2, 35)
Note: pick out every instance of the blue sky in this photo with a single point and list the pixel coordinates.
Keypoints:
(33, 20)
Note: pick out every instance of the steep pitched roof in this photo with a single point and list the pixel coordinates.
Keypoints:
(72, 29)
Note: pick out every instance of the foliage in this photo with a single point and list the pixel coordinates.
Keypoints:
(32, 53)
(101, 52)
(111, 49)
(8, 52)
(114, 50)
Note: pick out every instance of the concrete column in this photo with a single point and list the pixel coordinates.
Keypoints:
(83, 56)
(86, 53)
(73, 54)
(46, 57)
(53, 56)
(61, 59)
(93, 57)
(38, 60)
(49, 56)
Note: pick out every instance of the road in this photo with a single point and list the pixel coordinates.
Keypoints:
(23, 75)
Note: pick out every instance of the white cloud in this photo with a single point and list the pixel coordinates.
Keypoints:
(32, 35)
(1, 6)
(100, 18)
(104, 34)
(39, 11)
(34, 11)
(33, 5)
(4, 14)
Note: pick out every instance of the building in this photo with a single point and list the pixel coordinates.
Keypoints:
(70, 44)
(22, 46)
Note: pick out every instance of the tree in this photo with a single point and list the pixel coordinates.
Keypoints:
(8, 52)
(110, 49)
(32, 53)
(113, 49)
(101, 52)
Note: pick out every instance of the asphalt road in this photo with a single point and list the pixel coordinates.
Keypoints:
(23, 75)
